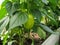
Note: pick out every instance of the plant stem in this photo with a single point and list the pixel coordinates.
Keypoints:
(32, 42)
(46, 20)
(28, 33)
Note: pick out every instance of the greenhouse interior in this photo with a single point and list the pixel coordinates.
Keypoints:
(29, 22)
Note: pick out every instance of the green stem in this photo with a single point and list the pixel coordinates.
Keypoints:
(46, 20)
(32, 42)
(28, 9)
(20, 39)
(28, 33)
(21, 42)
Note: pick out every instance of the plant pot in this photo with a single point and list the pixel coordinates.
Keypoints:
(52, 39)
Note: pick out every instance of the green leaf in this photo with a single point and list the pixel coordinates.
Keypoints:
(58, 3)
(3, 12)
(16, 1)
(32, 42)
(36, 14)
(5, 39)
(46, 28)
(8, 7)
(50, 17)
(37, 3)
(53, 3)
(4, 24)
(45, 1)
(12, 7)
(11, 42)
(2, 20)
(53, 20)
(21, 1)
(41, 33)
(16, 5)
(18, 19)
(4, 3)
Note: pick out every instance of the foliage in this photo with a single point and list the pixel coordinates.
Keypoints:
(14, 16)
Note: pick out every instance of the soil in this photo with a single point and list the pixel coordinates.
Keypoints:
(28, 42)
(0, 42)
(36, 42)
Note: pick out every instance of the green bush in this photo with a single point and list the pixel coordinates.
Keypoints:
(20, 17)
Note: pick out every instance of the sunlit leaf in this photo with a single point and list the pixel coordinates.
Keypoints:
(11, 42)
(3, 12)
(41, 33)
(5, 37)
(4, 24)
(45, 1)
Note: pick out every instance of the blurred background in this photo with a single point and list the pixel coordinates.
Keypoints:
(1, 1)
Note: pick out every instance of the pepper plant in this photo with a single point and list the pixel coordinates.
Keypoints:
(19, 18)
